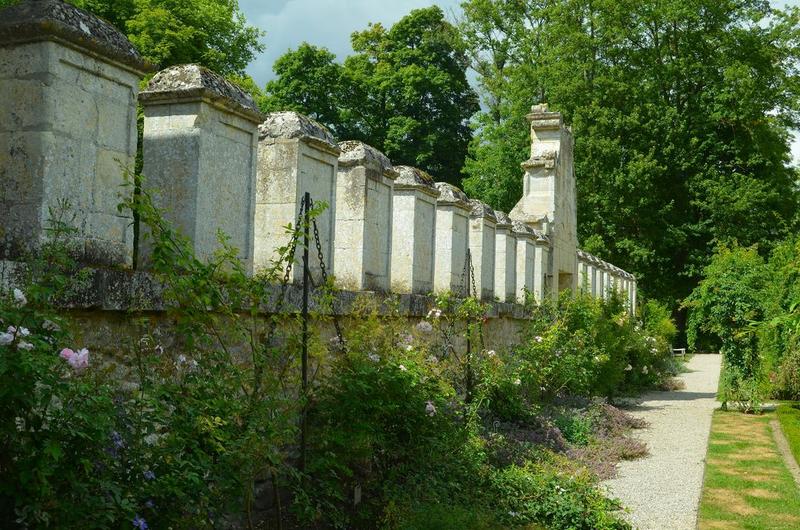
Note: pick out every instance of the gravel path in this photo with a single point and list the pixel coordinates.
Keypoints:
(662, 490)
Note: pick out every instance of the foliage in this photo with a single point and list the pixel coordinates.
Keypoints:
(679, 110)
(789, 418)
(403, 91)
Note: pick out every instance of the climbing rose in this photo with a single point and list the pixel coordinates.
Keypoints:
(77, 360)
(430, 409)
(19, 297)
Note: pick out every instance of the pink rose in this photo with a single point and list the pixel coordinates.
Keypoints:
(66, 354)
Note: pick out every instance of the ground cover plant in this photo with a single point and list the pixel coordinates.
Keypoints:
(747, 483)
(789, 418)
(406, 427)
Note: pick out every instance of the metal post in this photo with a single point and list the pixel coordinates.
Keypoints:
(469, 330)
(304, 351)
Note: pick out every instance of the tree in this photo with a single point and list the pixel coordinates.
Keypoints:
(309, 80)
(213, 33)
(403, 91)
(681, 114)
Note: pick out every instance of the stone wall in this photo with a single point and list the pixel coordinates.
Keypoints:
(213, 162)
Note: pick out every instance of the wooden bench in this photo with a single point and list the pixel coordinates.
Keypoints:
(679, 351)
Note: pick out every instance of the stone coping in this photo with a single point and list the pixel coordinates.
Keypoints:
(41, 20)
(503, 220)
(452, 195)
(597, 262)
(356, 153)
(481, 210)
(521, 229)
(124, 290)
(412, 178)
(541, 117)
(290, 125)
(192, 81)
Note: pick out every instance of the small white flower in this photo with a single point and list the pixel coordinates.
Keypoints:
(374, 357)
(512, 513)
(644, 369)
(430, 409)
(6, 338)
(409, 347)
(19, 297)
(24, 331)
(403, 368)
(490, 353)
(181, 359)
(537, 338)
(435, 313)
(517, 381)
(653, 350)
(628, 368)
(433, 359)
(27, 346)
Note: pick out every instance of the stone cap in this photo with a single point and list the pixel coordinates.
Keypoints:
(192, 81)
(503, 220)
(356, 153)
(414, 177)
(449, 194)
(541, 237)
(541, 117)
(481, 210)
(518, 227)
(288, 125)
(40, 20)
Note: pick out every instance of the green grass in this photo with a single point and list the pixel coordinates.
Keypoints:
(747, 484)
(789, 416)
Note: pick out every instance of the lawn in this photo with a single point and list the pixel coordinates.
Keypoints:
(747, 484)
(789, 416)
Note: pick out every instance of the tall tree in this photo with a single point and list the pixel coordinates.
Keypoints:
(308, 81)
(681, 113)
(404, 91)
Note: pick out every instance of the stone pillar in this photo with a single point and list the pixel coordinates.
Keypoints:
(634, 293)
(452, 238)
(69, 83)
(482, 230)
(505, 259)
(363, 237)
(413, 231)
(548, 196)
(526, 259)
(295, 155)
(199, 151)
(541, 268)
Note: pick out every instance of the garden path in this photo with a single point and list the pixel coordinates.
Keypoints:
(662, 490)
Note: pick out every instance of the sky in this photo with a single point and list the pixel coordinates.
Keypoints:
(329, 23)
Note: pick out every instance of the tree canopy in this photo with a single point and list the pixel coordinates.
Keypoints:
(681, 113)
(403, 91)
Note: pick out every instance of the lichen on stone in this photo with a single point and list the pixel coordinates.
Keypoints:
(36, 20)
(479, 209)
(412, 176)
(195, 80)
(451, 194)
(293, 125)
(355, 153)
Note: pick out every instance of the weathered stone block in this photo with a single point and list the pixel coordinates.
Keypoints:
(482, 230)
(200, 148)
(295, 155)
(413, 231)
(362, 241)
(452, 239)
(63, 73)
(505, 269)
(526, 259)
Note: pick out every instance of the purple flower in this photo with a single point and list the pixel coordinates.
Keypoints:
(140, 523)
(117, 440)
(149, 475)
